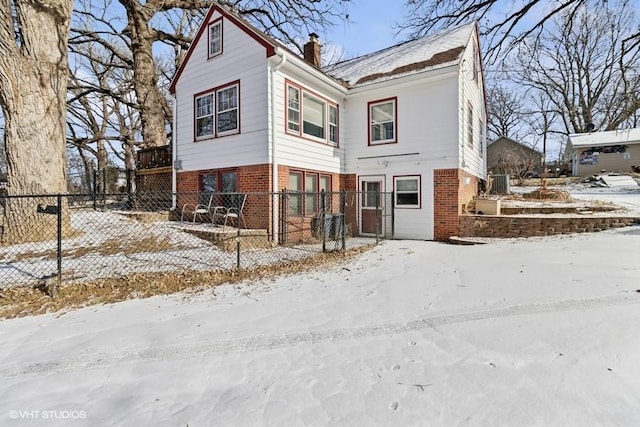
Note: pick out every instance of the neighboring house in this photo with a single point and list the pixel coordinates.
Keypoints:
(610, 151)
(252, 116)
(506, 156)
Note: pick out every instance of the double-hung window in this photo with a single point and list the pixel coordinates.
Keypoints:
(227, 109)
(333, 124)
(204, 116)
(217, 112)
(407, 191)
(311, 116)
(293, 110)
(215, 38)
(382, 122)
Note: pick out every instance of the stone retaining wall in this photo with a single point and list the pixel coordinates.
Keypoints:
(510, 226)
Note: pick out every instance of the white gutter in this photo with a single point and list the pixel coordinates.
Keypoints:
(274, 151)
(307, 68)
(174, 154)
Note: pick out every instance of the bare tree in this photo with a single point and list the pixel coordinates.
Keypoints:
(502, 31)
(506, 110)
(173, 23)
(33, 86)
(518, 164)
(580, 66)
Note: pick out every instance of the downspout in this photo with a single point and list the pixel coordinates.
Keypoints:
(274, 151)
(174, 154)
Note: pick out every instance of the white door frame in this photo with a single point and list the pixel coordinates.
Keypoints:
(361, 200)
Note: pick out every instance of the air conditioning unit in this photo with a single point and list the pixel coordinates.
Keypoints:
(500, 184)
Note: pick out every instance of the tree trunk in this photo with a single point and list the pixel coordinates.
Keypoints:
(151, 102)
(33, 82)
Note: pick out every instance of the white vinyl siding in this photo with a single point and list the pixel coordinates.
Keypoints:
(246, 64)
(470, 126)
(471, 114)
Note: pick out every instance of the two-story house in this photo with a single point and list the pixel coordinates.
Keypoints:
(253, 116)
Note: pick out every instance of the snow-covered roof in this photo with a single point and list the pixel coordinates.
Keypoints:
(612, 137)
(427, 53)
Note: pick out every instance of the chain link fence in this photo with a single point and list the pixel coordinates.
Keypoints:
(85, 237)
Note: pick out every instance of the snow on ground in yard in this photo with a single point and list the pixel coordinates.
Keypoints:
(626, 198)
(520, 332)
(108, 244)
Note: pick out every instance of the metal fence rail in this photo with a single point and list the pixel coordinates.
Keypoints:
(85, 237)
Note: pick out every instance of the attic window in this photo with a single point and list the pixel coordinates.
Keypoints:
(215, 38)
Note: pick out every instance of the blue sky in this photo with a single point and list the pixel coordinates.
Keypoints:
(371, 28)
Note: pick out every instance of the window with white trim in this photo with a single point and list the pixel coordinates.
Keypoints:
(382, 122)
(333, 124)
(217, 112)
(407, 191)
(227, 110)
(309, 115)
(215, 38)
(204, 116)
(293, 111)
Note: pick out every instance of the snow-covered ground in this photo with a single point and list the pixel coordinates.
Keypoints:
(539, 331)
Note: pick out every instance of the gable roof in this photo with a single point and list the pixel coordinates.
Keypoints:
(430, 52)
(269, 43)
(508, 140)
(612, 137)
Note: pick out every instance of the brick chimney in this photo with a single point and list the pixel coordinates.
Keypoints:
(312, 51)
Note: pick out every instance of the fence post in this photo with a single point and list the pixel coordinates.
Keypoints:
(238, 249)
(94, 192)
(59, 237)
(393, 215)
(343, 212)
(104, 188)
(284, 210)
(323, 220)
(377, 221)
